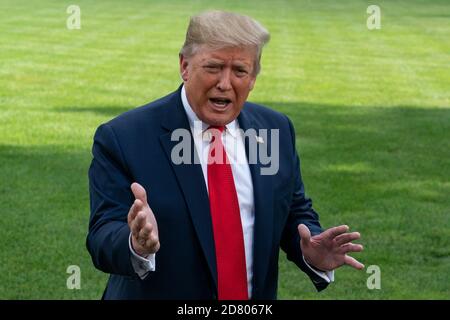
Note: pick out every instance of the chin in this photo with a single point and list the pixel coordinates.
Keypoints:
(216, 118)
(217, 122)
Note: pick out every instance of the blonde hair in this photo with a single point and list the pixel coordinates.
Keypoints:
(220, 29)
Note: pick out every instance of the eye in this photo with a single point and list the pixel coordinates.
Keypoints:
(211, 68)
(241, 72)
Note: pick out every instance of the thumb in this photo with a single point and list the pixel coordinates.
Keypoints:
(305, 234)
(139, 192)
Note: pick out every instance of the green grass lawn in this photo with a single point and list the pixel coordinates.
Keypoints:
(371, 110)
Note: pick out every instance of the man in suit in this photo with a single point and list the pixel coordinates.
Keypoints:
(210, 228)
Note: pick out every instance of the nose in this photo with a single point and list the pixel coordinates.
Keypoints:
(224, 83)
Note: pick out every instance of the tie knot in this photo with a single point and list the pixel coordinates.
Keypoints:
(213, 132)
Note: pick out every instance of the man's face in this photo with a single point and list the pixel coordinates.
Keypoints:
(218, 82)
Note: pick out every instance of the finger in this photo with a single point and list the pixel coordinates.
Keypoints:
(135, 208)
(139, 192)
(141, 219)
(153, 242)
(131, 215)
(352, 262)
(134, 227)
(305, 234)
(156, 247)
(145, 232)
(138, 223)
(347, 237)
(350, 247)
(335, 231)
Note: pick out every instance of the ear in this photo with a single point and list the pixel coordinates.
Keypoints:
(184, 68)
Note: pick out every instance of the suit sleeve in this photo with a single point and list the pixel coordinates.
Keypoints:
(301, 211)
(110, 201)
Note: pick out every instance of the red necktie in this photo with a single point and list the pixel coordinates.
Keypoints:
(226, 219)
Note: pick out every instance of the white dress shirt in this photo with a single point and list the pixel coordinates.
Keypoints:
(234, 146)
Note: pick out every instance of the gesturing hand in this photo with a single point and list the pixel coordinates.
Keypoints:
(328, 250)
(142, 223)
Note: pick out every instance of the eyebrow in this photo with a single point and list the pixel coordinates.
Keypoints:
(218, 62)
(214, 62)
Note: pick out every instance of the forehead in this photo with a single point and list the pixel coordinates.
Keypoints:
(244, 55)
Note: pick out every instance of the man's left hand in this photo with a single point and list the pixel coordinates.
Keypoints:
(328, 250)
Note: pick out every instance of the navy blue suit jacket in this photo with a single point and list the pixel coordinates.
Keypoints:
(136, 146)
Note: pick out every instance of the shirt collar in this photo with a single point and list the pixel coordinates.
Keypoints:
(231, 128)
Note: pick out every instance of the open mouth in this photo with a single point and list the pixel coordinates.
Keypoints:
(220, 103)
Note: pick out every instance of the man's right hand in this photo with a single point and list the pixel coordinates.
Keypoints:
(142, 223)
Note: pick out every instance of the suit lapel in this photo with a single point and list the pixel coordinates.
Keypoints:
(263, 200)
(191, 182)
